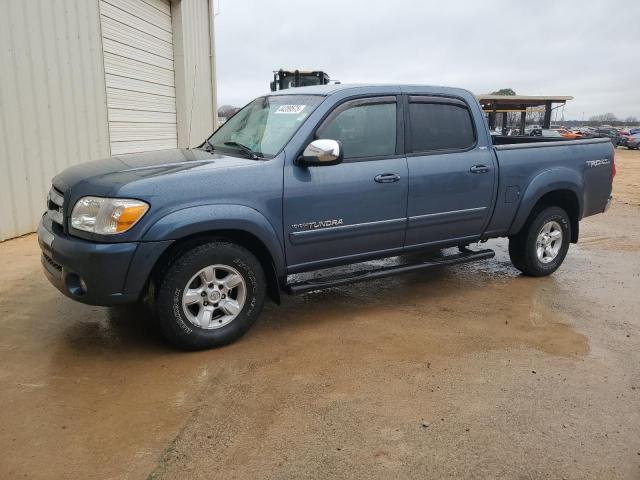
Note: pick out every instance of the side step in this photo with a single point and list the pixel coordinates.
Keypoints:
(464, 256)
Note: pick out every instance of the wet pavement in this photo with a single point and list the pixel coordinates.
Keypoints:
(466, 372)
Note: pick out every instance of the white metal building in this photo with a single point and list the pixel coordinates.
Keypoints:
(85, 79)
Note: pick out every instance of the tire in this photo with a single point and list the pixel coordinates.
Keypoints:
(184, 318)
(524, 248)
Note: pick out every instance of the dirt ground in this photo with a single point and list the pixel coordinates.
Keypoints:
(466, 372)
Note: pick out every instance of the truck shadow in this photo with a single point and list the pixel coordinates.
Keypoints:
(447, 310)
(121, 328)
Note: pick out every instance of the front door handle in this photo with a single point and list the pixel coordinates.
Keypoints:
(387, 178)
(479, 169)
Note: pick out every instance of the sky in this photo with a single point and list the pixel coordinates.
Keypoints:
(587, 49)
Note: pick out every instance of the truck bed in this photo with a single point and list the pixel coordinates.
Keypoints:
(583, 167)
(517, 139)
(505, 142)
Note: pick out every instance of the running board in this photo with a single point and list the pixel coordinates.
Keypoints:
(464, 256)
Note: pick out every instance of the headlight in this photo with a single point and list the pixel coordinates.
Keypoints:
(107, 216)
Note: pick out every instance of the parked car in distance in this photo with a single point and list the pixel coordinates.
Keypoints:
(623, 137)
(304, 179)
(544, 132)
(513, 132)
(568, 133)
(608, 132)
(632, 142)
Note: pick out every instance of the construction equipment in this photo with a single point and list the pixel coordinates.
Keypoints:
(283, 79)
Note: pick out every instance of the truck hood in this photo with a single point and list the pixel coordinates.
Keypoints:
(114, 172)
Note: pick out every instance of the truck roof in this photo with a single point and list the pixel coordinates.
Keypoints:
(337, 87)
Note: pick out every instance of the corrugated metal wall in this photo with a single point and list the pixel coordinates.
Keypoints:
(53, 94)
(195, 97)
(138, 62)
(52, 101)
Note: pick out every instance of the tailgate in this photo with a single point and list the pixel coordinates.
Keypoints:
(598, 180)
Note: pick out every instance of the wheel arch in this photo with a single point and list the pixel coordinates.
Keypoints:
(559, 188)
(239, 237)
(568, 201)
(186, 228)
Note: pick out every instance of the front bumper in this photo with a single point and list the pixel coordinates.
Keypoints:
(93, 273)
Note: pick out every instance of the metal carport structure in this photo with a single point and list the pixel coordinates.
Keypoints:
(494, 104)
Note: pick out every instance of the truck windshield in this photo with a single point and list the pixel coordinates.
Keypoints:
(265, 125)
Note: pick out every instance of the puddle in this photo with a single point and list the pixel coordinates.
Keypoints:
(422, 313)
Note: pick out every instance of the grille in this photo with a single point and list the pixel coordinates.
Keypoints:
(50, 261)
(55, 201)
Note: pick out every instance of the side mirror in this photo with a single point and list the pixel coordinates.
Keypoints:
(321, 152)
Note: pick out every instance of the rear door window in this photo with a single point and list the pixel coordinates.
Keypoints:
(440, 126)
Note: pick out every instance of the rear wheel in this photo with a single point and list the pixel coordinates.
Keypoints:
(210, 296)
(542, 244)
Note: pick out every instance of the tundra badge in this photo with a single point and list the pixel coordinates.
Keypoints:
(319, 224)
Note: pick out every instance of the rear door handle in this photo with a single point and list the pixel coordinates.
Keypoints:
(479, 169)
(387, 178)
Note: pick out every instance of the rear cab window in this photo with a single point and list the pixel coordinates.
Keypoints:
(440, 124)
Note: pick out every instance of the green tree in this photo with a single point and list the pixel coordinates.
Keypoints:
(512, 117)
(504, 91)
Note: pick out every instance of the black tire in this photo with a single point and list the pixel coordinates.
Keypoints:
(173, 320)
(522, 247)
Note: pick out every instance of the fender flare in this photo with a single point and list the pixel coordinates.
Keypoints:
(206, 218)
(560, 178)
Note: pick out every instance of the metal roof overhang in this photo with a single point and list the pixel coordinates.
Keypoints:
(517, 103)
(493, 104)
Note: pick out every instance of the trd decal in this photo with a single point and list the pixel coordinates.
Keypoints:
(598, 163)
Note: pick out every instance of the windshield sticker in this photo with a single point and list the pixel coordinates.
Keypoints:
(290, 109)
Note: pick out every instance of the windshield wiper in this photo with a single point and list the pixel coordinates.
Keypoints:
(253, 155)
(208, 146)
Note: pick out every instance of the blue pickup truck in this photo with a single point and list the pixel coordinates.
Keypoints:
(310, 178)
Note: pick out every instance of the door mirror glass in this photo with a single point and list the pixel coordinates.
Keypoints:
(322, 152)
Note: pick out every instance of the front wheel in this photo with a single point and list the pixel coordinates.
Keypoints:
(542, 244)
(210, 296)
